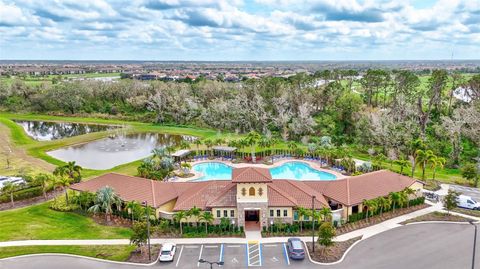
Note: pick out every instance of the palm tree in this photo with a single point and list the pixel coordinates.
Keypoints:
(326, 213)
(423, 157)
(63, 182)
(436, 162)
(43, 180)
(402, 163)
(159, 153)
(416, 145)
(209, 144)
(179, 217)
(384, 204)
(371, 206)
(9, 188)
(252, 139)
(302, 212)
(292, 146)
(194, 212)
(71, 170)
(184, 145)
(198, 142)
(207, 217)
(395, 199)
(104, 200)
(408, 191)
(131, 206)
(186, 167)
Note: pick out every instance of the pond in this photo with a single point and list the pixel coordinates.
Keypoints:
(116, 150)
(46, 131)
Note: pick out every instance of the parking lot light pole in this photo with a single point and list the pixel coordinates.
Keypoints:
(313, 223)
(474, 244)
(220, 263)
(147, 215)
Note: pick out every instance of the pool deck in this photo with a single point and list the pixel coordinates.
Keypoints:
(279, 162)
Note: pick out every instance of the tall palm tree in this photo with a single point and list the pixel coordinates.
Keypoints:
(132, 206)
(423, 157)
(43, 180)
(326, 213)
(104, 200)
(395, 199)
(402, 163)
(408, 191)
(292, 146)
(437, 162)
(71, 170)
(302, 212)
(206, 217)
(9, 188)
(416, 145)
(179, 217)
(63, 182)
(209, 144)
(252, 139)
(371, 206)
(383, 204)
(195, 213)
(198, 143)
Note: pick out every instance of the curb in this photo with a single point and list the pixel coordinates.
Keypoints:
(441, 222)
(82, 257)
(364, 238)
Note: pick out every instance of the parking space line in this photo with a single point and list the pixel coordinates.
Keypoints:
(207, 246)
(260, 253)
(200, 256)
(179, 256)
(269, 245)
(285, 252)
(221, 253)
(191, 246)
(234, 246)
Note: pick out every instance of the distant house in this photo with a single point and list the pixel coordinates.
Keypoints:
(252, 196)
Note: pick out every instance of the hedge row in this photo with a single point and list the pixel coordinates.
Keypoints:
(22, 194)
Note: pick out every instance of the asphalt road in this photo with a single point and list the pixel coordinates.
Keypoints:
(440, 246)
(469, 191)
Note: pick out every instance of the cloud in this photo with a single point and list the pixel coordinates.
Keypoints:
(226, 29)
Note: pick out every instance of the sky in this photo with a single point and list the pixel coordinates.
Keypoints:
(233, 30)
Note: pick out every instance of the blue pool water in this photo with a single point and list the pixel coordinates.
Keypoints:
(289, 170)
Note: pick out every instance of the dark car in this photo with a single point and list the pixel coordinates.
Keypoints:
(296, 250)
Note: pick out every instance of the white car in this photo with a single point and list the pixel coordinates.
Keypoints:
(467, 202)
(167, 252)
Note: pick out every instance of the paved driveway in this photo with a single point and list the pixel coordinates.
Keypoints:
(414, 246)
(469, 191)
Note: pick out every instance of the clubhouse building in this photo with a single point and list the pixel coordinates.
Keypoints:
(252, 198)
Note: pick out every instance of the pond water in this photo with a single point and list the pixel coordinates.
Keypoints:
(45, 131)
(109, 152)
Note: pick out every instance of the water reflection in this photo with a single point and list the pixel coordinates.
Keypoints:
(116, 150)
(45, 131)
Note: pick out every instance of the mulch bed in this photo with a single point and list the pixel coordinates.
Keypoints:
(30, 201)
(138, 256)
(348, 227)
(437, 216)
(114, 220)
(332, 253)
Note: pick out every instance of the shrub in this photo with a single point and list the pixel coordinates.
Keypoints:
(22, 194)
(60, 204)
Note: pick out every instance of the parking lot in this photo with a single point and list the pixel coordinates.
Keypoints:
(251, 254)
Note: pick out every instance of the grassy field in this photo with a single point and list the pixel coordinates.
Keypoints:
(38, 149)
(40, 222)
(113, 253)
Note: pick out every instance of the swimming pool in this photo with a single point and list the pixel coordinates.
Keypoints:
(289, 170)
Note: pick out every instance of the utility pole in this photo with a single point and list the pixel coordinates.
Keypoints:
(313, 223)
(147, 215)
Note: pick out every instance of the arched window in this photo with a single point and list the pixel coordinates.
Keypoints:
(251, 191)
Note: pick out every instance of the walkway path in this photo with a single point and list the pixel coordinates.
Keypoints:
(365, 232)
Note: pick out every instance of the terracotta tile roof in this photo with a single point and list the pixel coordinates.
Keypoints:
(200, 194)
(251, 175)
(226, 198)
(353, 190)
(298, 192)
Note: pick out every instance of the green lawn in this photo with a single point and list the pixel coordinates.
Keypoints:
(113, 253)
(40, 222)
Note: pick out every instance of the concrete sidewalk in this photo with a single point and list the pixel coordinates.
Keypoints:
(365, 233)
